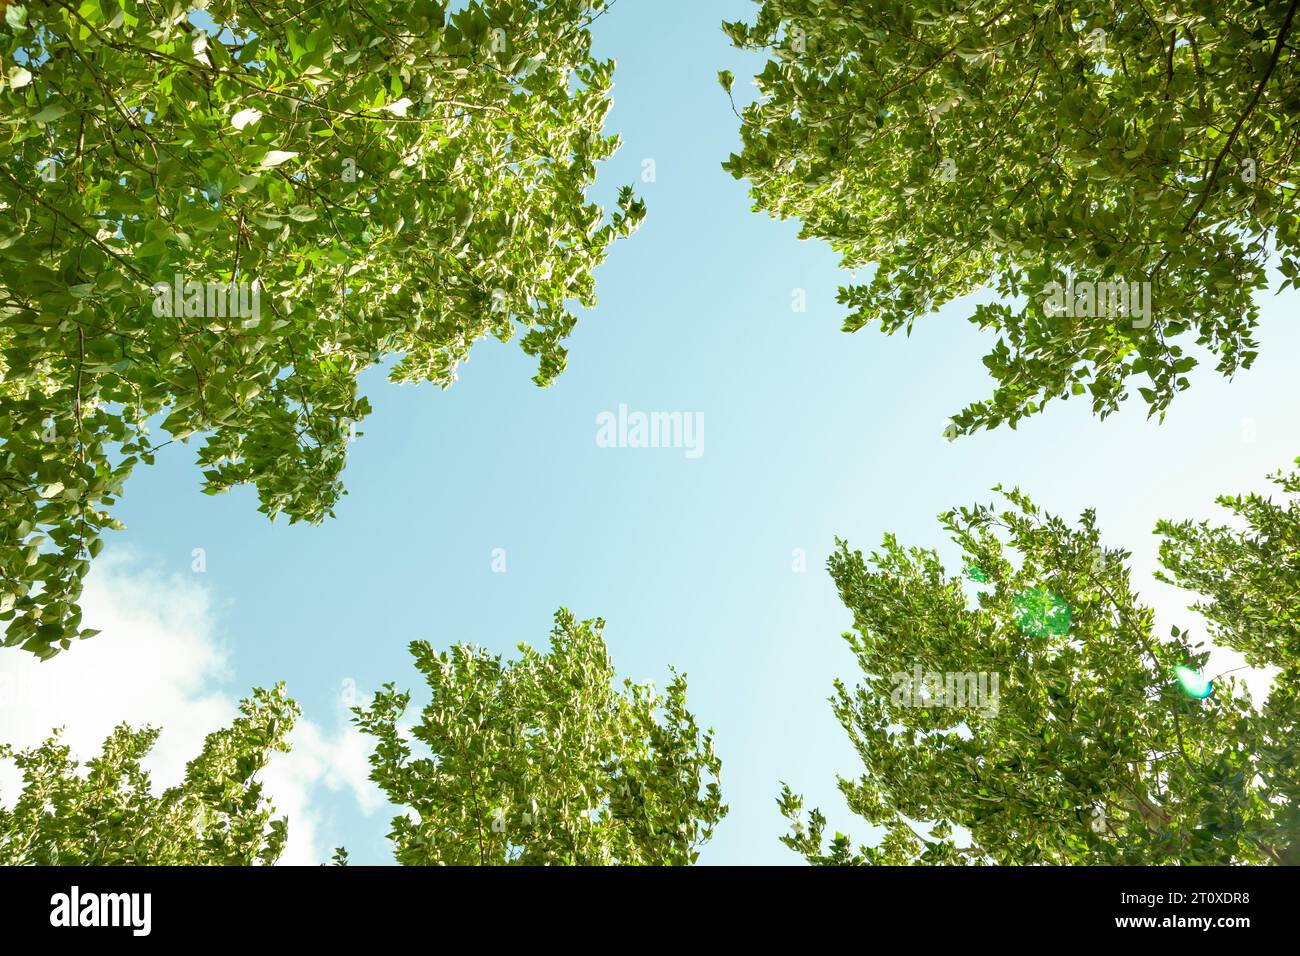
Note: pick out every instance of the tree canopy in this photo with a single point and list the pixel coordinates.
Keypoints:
(1103, 743)
(1118, 172)
(542, 761)
(213, 222)
(105, 814)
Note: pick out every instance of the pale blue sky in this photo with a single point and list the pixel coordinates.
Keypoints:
(809, 433)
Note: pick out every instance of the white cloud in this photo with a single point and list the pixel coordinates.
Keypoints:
(159, 661)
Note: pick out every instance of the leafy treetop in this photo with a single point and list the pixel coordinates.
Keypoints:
(391, 179)
(1249, 575)
(1089, 752)
(542, 761)
(958, 144)
(106, 814)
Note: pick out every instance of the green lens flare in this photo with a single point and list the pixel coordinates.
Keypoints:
(1193, 682)
(1041, 613)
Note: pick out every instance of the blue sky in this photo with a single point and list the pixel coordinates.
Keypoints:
(809, 433)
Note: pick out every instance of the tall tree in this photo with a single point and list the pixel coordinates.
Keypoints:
(542, 761)
(1101, 742)
(105, 813)
(1119, 172)
(214, 221)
